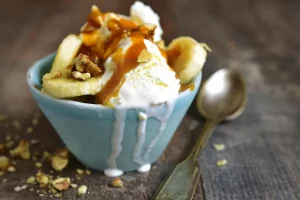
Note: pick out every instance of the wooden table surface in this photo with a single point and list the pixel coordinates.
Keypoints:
(260, 38)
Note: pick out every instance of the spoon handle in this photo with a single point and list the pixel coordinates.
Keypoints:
(182, 182)
(206, 132)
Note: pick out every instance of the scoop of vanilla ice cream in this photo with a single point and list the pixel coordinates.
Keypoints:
(109, 65)
(151, 82)
(141, 14)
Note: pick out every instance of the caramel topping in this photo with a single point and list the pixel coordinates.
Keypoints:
(94, 20)
(127, 24)
(125, 63)
(90, 39)
(111, 47)
(98, 50)
(119, 27)
(187, 87)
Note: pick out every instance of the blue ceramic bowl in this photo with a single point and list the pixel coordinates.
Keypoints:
(87, 129)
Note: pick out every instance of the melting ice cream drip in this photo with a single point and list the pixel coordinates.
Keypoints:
(163, 118)
(118, 132)
(116, 147)
(141, 131)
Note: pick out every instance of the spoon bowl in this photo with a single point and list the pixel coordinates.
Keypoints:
(222, 96)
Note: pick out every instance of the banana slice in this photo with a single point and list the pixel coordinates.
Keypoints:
(161, 44)
(65, 87)
(45, 92)
(66, 52)
(187, 57)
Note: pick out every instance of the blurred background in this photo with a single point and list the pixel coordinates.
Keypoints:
(257, 36)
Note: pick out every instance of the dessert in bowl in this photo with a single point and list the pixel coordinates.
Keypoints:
(114, 93)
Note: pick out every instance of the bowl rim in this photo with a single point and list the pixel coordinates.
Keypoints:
(42, 62)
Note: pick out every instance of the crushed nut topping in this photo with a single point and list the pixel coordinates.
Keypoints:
(59, 163)
(117, 182)
(30, 180)
(51, 189)
(221, 163)
(88, 172)
(61, 183)
(35, 121)
(29, 130)
(21, 150)
(82, 76)
(47, 156)
(4, 163)
(38, 164)
(80, 171)
(42, 178)
(147, 30)
(82, 189)
(60, 160)
(11, 169)
(219, 147)
(52, 75)
(62, 152)
(83, 64)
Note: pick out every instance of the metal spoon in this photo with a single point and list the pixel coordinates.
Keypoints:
(222, 97)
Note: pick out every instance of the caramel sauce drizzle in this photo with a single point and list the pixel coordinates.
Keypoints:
(124, 63)
(98, 51)
(187, 87)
